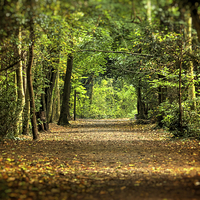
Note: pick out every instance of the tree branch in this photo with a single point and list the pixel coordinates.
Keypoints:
(21, 58)
(122, 52)
(10, 66)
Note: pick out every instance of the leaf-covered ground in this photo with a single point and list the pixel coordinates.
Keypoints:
(100, 159)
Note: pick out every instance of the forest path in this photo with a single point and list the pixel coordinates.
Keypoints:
(101, 159)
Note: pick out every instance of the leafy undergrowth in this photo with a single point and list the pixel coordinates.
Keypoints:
(100, 159)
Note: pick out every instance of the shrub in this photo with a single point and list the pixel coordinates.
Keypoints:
(190, 119)
(9, 109)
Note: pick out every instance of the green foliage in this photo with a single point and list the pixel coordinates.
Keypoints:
(63, 27)
(110, 100)
(9, 108)
(191, 118)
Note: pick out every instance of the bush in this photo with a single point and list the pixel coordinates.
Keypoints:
(9, 109)
(190, 118)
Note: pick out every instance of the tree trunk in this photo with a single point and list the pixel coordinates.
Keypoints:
(140, 104)
(91, 94)
(180, 94)
(56, 102)
(64, 115)
(149, 10)
(196, 21)
(54, 107)
(49, 93)
(20, 89)
(162, 91)
(26, 114)
(133, 12)
(89, 87)
(50, 108)
(30, 84)
(191, 88)
(58, 97)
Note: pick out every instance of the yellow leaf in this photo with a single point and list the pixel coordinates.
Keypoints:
(122, 188)
(10, 179)
(103, 192)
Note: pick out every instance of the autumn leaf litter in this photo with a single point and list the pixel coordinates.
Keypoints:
(100, 159)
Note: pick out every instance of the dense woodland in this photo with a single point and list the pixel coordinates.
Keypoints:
(122, 57)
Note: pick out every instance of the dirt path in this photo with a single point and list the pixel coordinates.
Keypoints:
(100, 159)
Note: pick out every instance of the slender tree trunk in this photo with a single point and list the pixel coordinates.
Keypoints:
(180, 94)
(90, 85)
(20, 89)
(191, 88)
(92, 88)
(149, 10)
(160, 117)
(15, 125)
(56, 102)
(49, 94)
(50, 108)
(43, 102)
(196, 20)
(19, 81)
(58, 97)
(44, 109)
(29, 82)
(26, 114)
(133, 12)
(47, 98)
(54, 106)
(140, 104)
(64, 115)
(161, 98)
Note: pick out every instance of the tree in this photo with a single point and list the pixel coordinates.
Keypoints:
(193, 8)
(191, 88)
(29, 76)
(19, 78)
(64, 114)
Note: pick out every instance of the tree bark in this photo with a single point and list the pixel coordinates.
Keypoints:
(29, 82)
(149, 10)
(54, 107)
(58, 97)
(196, 21)
(192, 6)
(180, 94)
(191, 88)
(64, 115)
(140, 104)
(56, 102)
(26, 114)
(20, 89)
(49, 93)
(162, 91)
